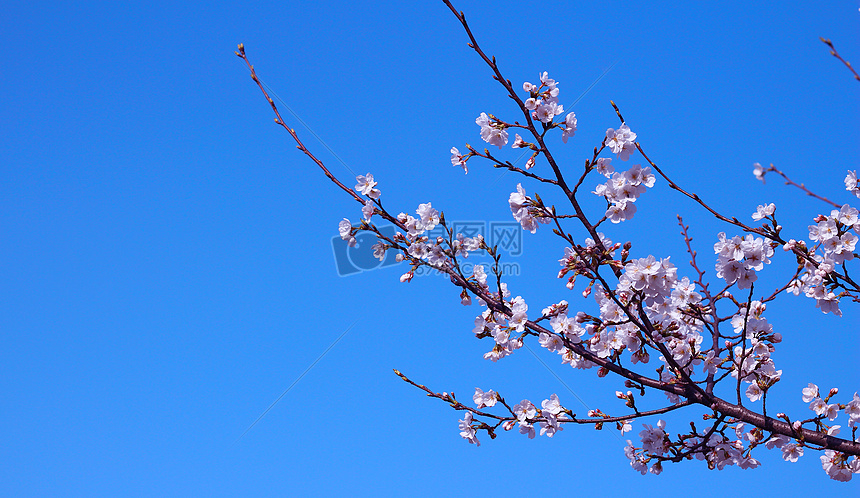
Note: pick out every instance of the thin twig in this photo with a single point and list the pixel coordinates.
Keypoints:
(834, 53)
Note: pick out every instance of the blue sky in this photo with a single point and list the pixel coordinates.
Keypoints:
(167, 263)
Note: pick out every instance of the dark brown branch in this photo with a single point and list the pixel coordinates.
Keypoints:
(834, 53)
(788, 181)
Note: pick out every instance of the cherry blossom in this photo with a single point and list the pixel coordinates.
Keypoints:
(604, 166)
(653, 438)
(491, 132)
(834, 465)
(467, 431)
(525, 410)
(365, 186)
(458, 160)
(524, 211)
(810, 392)
(484, 399)
(345, 230)
(621, 141)
(851, 183)
(852, 409)
(758, 171)
(762, 212)
(569, 127)
(791, 452)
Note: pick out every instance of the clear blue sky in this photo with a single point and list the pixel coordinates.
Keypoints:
(166, 267)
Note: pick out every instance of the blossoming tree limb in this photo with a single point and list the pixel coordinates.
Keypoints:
(714, 345)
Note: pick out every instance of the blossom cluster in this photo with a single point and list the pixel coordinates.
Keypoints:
(738, 258)
(752, 356)
(717, 449)
(720, 449)
(604, 253)
(647, 283)
(524, 414)
(416, 247)
(498, 325)
(622, 189)
(833, 236)
(526, 211)
(492, 131)
(621, 141)
(822, 408)
(544, 104)
(852, 184)
(834, 463)
(437, 253)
